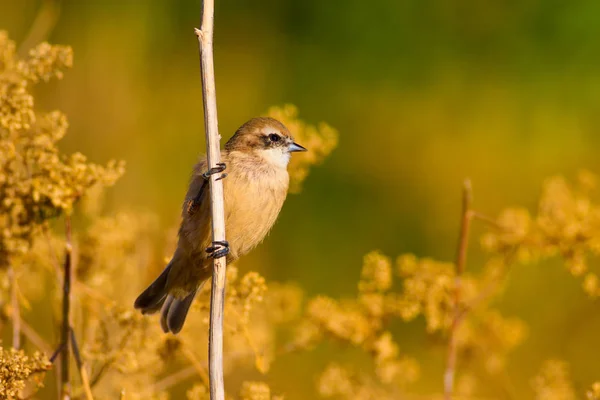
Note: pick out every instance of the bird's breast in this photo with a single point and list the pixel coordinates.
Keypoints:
(252, 204)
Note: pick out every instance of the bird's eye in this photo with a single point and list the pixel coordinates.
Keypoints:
(273, 137)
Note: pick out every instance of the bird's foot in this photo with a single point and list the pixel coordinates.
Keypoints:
(219, 248)
(193, 204)
(215, 170)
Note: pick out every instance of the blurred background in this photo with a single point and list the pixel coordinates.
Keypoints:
(423, 92)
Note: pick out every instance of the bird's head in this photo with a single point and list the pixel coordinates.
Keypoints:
(266, 138)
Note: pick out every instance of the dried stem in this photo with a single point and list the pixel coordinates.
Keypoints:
(173, 379)
(488, 290)
(488, 220)
(15, 309)
(215, 344)
(34, 337)
(44, 23)
(85, 380)
(57, 352)
(461, 258)
(200, 369)
(65, 389)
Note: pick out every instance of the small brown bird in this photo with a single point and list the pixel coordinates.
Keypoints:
(256, 158)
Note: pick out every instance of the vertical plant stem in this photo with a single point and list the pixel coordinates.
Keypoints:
(85, 380)
(458, 315)
(215, 345)
(65, 386)
(16, 309)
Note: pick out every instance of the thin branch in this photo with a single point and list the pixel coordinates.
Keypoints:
(461, 258)
(215, 344)
(488, 220)
(65, 386)
(81, 367)
(173, 379)
(200, 369)
(93, 293)
(35, 337)
(110, 360)
(57, 352)
(15, 309)
(41, 27)
(491, 287)
(96, 378)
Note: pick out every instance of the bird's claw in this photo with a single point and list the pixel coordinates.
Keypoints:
(219, 248)
(193, 204)
(220, 167)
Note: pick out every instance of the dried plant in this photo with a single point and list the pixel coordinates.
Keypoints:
(123, 355)
(16, 369)
(36, 181)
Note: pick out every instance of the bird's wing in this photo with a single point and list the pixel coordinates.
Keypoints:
(197, 190)
(194, 231)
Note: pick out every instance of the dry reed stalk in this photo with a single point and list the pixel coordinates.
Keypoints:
(458, 315)
(65, 385)
(215, 345)
(85, 380)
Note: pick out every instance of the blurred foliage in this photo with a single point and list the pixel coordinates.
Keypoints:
(554, 382)
(424, 93)
(35, 180)
(566, 224)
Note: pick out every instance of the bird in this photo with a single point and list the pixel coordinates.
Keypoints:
(256, 185)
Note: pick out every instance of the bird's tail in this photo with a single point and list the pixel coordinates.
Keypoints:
(156, 297)
(174, 311)
(152, 299)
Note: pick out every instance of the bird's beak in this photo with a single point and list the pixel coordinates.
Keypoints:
(295, 147)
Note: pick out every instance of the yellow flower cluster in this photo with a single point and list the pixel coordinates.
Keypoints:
(36, 182)
(553, 382)
(594, 392)
(359, 322)
(566, 223)
(284, 302)
(345, 383)
(16, 368)
(389, 367)
(257, 391)
(486, 337)
(198, 392)
(250, 390)
(428, 289)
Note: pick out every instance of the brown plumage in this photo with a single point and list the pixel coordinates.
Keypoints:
(254, 191)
